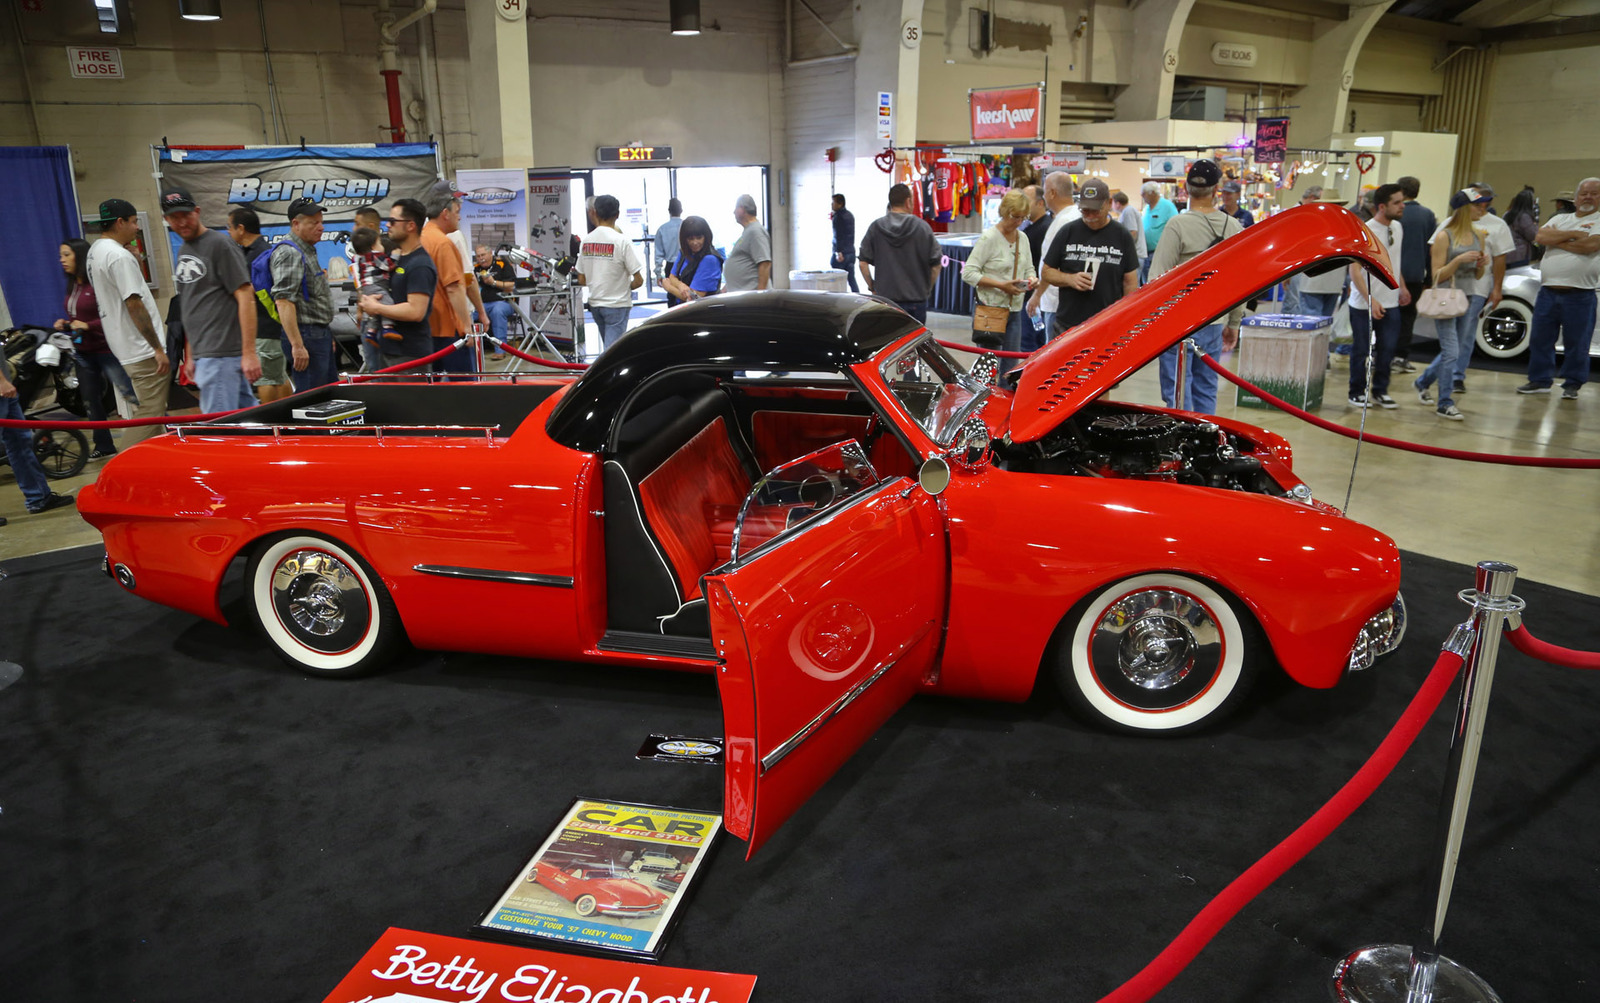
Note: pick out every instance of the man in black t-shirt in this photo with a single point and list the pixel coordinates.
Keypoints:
(1093, 261)
(411, 286)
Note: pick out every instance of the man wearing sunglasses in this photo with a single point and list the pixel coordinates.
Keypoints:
(411, 286)
(1381, 335)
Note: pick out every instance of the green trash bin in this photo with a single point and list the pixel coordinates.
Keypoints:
(1286, 355)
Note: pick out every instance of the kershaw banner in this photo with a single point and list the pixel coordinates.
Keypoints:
(268, 178)
(405, 965)
(1007, 114)
(494, 210)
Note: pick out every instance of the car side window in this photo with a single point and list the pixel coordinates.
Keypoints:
(799, 492)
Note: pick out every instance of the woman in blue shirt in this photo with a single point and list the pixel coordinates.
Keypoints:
(698, 271)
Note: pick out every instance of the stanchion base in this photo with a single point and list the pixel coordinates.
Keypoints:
(1378, 974)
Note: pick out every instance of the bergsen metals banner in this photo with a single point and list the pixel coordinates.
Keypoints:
(1007, 114)
(268, 178)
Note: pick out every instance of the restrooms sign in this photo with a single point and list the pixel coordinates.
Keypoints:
(1007, 114)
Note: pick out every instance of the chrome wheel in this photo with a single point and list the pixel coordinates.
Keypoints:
(321, 607)
(1504, 331)
(1156, 652)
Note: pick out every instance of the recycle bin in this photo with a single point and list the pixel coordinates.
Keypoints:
(1286, 355)
(828, 280)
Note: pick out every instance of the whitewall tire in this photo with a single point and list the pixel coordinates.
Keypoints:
(1156, 653)
(322, 608)
(1505, 331)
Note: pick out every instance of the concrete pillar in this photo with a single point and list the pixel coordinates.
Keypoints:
(884, 63)
(502, 98)
(1157, 29)
(1326, 96)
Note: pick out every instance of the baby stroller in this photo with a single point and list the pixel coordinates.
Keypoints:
(47, 379)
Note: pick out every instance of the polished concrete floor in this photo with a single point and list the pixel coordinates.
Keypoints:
(1545, 521)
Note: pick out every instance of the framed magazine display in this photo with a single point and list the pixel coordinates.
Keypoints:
(610, 877)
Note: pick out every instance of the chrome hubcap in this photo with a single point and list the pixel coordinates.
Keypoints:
(316, 591)
(1155, 640)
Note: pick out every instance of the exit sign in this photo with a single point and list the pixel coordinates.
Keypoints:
(632, 154)
(95, 61)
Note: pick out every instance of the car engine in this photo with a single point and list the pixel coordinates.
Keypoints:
(1111, 442)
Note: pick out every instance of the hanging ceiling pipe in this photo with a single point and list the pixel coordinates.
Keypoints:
(389, 58)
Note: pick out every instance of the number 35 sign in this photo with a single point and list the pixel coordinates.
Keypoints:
(511, 10)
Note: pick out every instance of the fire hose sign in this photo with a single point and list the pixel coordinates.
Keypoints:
(97, 62)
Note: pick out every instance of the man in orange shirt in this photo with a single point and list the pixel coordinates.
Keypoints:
(450, 315)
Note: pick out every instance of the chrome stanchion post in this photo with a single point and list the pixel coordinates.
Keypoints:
(1183, 373)
(1397, 973)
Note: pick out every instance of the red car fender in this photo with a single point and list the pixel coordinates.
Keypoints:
(1026, 548)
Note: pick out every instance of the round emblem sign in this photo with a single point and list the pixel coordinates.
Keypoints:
(511, 10)
(911, 33)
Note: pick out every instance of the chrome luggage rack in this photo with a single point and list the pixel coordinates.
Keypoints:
(278, 431)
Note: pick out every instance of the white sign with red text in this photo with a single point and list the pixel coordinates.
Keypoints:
(426, 968)
(95, 61)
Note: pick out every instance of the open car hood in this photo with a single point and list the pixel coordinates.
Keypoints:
(1091, 358)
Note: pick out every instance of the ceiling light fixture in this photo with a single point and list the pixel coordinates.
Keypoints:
(686, 17)
(200, 10)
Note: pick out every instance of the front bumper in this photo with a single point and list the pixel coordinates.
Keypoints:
(1379, 635)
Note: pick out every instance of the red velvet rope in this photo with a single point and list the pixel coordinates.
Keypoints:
(552, 363)
(975, 350)
(1381, 440)
(1210, 920)
(1547, 652)
(414, 363)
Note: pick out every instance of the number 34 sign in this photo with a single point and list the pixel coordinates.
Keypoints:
(511, 10)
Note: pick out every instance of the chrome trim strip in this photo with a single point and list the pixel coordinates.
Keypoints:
(491, 575)
(772, 758)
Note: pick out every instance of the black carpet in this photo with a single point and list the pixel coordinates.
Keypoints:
(184, 818)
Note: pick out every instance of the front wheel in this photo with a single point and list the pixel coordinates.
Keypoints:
(1504, 331)
(321, 606)
(62, 452)
(1156, 653)
(586, 905)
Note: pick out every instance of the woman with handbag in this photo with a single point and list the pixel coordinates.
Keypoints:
(1001, 271)
(97, 366)
(1460, 256)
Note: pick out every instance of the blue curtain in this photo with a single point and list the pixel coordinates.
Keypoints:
(40, 213)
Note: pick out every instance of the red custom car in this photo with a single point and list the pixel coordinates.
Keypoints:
(594, 889)
(808, 496)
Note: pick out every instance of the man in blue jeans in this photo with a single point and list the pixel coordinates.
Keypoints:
(610, 266)
(305, 305)
(18, 443)
(1565, 308)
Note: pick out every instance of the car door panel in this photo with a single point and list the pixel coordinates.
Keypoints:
(823, 637)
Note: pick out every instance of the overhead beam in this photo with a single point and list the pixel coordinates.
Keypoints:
(1434, 29)
(1548, 29)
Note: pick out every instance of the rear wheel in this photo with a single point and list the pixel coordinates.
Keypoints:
(1504, 331)
(321, 606)
(62, 452)
(1156, 653)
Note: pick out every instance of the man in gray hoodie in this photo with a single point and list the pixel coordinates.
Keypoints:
(900, 257)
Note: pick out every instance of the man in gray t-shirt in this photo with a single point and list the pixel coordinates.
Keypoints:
(749, 264)
(218, 306)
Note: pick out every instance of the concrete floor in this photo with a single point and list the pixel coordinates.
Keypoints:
(1542, 520)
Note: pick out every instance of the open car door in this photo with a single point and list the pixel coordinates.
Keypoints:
(826, 620)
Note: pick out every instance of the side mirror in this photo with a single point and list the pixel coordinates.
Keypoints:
(970, 447)
(934, 476)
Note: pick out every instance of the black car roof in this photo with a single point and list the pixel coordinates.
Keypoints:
(775, 330)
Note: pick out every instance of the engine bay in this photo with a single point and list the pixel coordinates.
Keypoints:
(1106, 440)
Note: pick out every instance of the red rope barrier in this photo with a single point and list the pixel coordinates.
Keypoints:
(1381, 440)
(975, 350)
(552, 363)
(414, 363)
(1544, 651)
(1210, 920)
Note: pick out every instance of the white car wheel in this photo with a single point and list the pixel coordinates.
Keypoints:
(1156, 653)
(321, 606)
(1504, 331)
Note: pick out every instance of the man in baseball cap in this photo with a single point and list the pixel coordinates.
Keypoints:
(219, 309)
(128, 315)
(177, 200)
(305, 304)
(1195, 230)
(1093, 261)
(1230, 203)
(304, 207)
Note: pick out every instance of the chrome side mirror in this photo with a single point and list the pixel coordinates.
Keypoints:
(986, 370)
(970, 447)
(934, 475)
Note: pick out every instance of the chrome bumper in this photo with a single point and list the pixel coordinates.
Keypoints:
(1379, 635)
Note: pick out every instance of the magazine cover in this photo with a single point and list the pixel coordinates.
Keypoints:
(610, 877)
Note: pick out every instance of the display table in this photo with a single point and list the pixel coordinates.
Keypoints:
(1284, 354)
(950, 294)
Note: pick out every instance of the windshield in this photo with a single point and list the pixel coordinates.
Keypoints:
(933, 387)
(799, 491)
